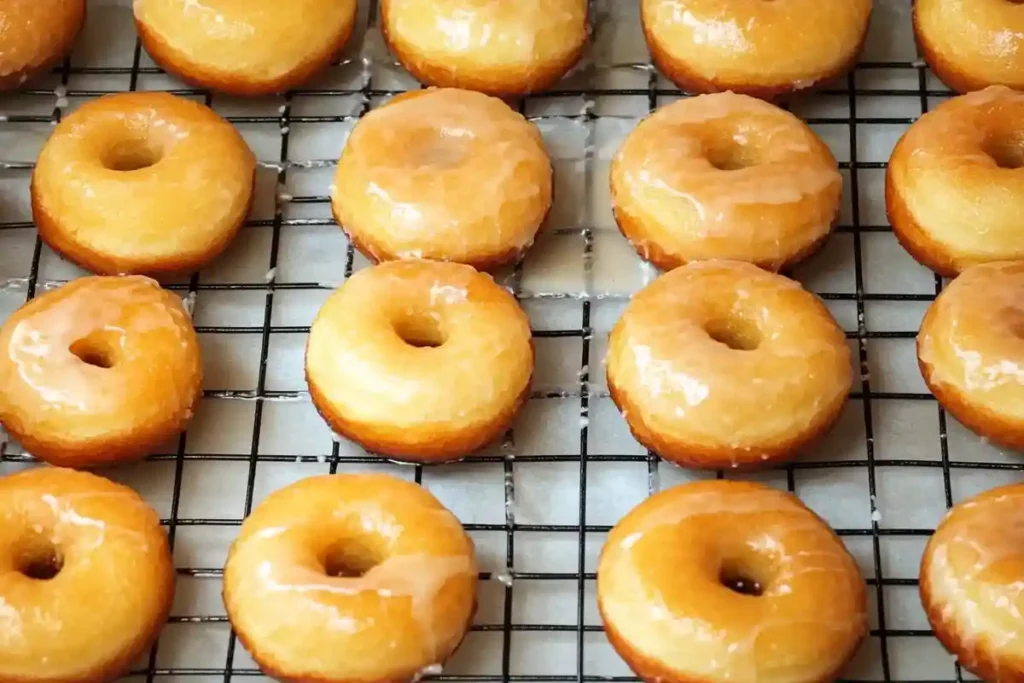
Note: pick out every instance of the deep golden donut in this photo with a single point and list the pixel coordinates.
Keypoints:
(34, 34)
(725, 176)
(420, 360)
(102, 370)
(351, 578)
(718, 581)
(86, 577)
(971, 350)
(721, 364)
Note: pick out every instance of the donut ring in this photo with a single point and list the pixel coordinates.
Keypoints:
(720, 364)
(970, 583)
(497, 48)
(972, 45)
(142, 183)
(448, 175)
(99, 371)
(420, 360)
(342, 578)
(74, 546)
(725, 177)
(245, 48)
(971, 351)
(717, 581)
(954, 191)
(764, 49)
(34, 35)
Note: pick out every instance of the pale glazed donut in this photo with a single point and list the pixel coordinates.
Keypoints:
(717, 581)
(351, 578)
(145, 183)
(721, 364)
(954, 187)
(420, 360)
(101, 370)
(445, 174)
(971, 44)
(34, 34)
(86, 577)
(725, 176)
(499, 48)
(245, 47)
(971, 350)
(971, 577)
(765, 49)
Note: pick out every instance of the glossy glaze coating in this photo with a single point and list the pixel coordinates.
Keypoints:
(34, 34)
(102, 370)
(662, 593)
(500, 48)
(147, 183)
(420, 360)
(759, 48)
(725, 176)
(342, 578)
(971, 44)
(245, 47)
(971, 350)
(443, 174)
(954, 188)
(720, 364)
(972, 583)
(105, 606)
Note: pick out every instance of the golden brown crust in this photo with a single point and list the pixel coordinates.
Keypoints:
(73, 20)
(945, 70)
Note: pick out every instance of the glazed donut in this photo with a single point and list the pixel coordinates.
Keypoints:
(342, 578)
(503, 49)
(971, 350)
(142, 183)
(720, 364)
(420, 360)
(718, 581)
(247, 48)
(86, 577)
(725, 176)
(101, 370)
(953, 189)
(449, 175)
(970, 44)
(35, 34)
(970, 583)
(765, 49)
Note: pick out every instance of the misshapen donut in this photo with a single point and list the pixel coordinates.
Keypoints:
(145, 183)
(719, 581)
(86, 577)
(343, 578)
(34, 34)
(102, 370)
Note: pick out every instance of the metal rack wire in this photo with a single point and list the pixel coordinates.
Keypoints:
(586, 389)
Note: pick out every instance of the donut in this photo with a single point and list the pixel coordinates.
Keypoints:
(725, 176)
(142, 183)
(970, 583)
(350, 577)
(717, 581)
(420, 360)
(953, 189)
(971, 351)
(765, 49)
(245, 48)
(971, 45)
(101, 370)
(503, 49)
(449, 175)
(34, 35)
(721, 364)
(86, 577)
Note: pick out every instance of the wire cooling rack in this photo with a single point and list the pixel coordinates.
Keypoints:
(540, 504)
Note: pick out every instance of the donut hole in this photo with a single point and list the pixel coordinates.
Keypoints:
(735, 332)
(1006, 150)
(39, 559)
(726, 153)
(440, 148)
(739, 579)
(99, 349)
(351, 559)
(420, 331)
(132, 155)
